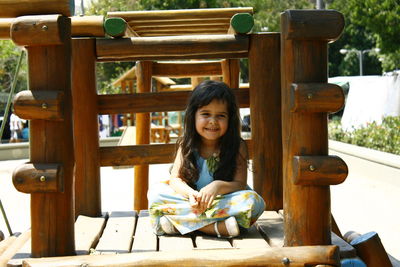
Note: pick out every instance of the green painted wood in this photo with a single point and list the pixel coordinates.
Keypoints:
(115, 27)
(242, 22)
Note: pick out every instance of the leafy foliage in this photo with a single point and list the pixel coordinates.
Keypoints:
(369, 24)
(384, 136)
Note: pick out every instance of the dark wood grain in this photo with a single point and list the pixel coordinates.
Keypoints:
(38, 30)
(307, 208)
(316, 97)
(319, 170)
(52, 214)
(172, 47)
(265, 107)
(86, 129)
(44, 105)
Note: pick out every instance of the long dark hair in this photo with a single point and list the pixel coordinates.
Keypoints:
(229, 143)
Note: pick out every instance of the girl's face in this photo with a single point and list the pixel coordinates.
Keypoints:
(212, 120)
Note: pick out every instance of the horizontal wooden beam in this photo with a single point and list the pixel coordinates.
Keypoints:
(180, 13)
(144, 154)
(187, 69)
(316, 97)
(183, 30)
(137, 155)
(87, 26)
(170, 22)
(324, 25)
(12, 8)
(174, 47)
(5, 26)
(319, 170)
(81, 26)
(39, 178)
(173, 27)
(40, 30)
(154, 102)
(294, 256)
(44, 105)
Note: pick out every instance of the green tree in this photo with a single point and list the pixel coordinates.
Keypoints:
(369, 23)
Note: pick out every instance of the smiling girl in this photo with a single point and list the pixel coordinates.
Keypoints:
(207, 189)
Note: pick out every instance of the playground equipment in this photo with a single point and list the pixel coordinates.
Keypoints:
(288, 146)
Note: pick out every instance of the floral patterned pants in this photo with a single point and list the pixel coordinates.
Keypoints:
(245, 205)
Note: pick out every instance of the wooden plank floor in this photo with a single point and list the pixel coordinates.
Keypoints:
(129, 232)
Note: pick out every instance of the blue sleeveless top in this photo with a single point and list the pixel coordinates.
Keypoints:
(205, 177)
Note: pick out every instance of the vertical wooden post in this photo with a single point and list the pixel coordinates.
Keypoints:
(123, 90)
(230, 72)
(86, 128)
(52, 214)
(131, 91)
(141, 182)
(265, 105)
(305, 34)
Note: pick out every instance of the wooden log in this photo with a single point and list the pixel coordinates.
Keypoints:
(5, 26)
(174, 47)
(335, 227)
(143, 154)
(11, 9)
(319, 170)
(13, 248)
(155, 102)
(180, 13)
(86, 129)
(39, 30)
(242, 23)
(313, 25)
(316, 97)
(115, 27)
(230, 72)
(166, 27)
(187, 69)
(172, 22)
(44, 105)
(52, 215)
(87, 26)
(141, 178)
(296, 256)
(265, 106)
(370, 249)
(307, 208)
(39, 178)
(87, 232)
(183, 30)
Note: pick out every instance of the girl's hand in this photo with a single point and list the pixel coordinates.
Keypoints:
(207, 195)
(193, 199)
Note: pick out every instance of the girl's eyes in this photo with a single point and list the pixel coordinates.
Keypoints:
(206, 114)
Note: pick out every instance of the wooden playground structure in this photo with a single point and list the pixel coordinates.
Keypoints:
(288, 96)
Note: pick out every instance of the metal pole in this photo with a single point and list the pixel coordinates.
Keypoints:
(320, 4)
(5, 218)
(360, 55)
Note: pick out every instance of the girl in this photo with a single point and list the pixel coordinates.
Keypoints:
(207, 189)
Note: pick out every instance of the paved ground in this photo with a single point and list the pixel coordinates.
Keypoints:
(367, 201)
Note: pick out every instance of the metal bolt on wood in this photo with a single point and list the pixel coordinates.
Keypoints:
(286, 261)
(42, 178)
(45, 106)
(312, 168)
(45, 27)
(309, 96)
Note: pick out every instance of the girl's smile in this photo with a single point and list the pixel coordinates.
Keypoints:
(212, 120)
